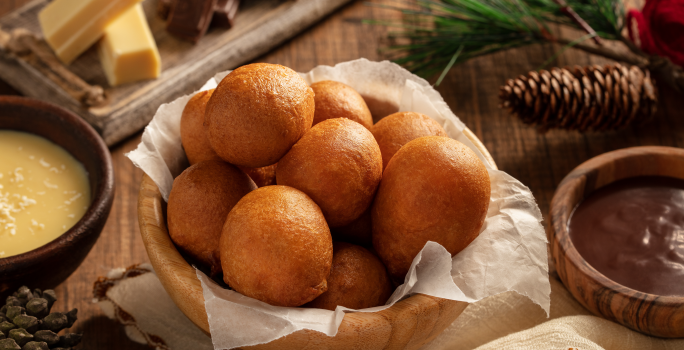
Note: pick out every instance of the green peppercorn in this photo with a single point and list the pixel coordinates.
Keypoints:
(13, 301)
(5, 327)
(9, 344)
(70, 339)
(37, 307)
(24, 294)
(55, 322)
(21, 336)
(49, 337)
(28, 323)
(51, 297)
(35, 345)
(14, 311)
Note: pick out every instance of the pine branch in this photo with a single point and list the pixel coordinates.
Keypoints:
(443, 33)
(608, 53)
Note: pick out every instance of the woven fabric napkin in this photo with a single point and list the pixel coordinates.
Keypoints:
(135, 298)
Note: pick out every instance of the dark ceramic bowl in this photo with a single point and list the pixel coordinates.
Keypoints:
(49, 265)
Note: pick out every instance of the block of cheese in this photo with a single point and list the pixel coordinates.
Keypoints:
(127, 50)
(71, 26)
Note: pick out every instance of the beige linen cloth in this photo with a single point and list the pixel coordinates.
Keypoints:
(136, 299)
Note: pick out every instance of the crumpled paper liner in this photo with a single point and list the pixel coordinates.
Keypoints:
(135, 298)
(510, 253)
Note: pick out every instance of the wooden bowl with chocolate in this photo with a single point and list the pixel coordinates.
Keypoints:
(616, 237)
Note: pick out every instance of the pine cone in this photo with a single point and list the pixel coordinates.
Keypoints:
(582, 98)
(27, 324)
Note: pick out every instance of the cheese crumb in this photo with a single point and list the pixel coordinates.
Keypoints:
(49, 185)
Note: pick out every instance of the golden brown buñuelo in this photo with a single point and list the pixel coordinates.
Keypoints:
(199, 202)
(338, 164)
(434, 189)
(357, 280)
(337, 100)
(276, 247)
(398, 129)
(257, 113)
(193, 137)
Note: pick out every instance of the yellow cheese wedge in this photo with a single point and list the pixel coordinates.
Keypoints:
(71, 26)
(127, 50)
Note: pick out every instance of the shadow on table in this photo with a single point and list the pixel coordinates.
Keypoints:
(100, 332)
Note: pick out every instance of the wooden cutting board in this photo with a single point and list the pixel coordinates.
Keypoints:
(259, 26)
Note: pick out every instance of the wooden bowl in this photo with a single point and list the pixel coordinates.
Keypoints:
(49, 265)
(661, 316)
(408, 324)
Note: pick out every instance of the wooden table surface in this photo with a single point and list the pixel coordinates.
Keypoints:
(540, 161)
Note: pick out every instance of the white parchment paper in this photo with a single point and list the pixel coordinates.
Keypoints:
(509, 254)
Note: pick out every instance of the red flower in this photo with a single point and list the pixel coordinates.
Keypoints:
(660, 28)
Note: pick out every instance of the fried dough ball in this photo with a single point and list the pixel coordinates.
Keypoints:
(276, 247)
(257, 113)
(358, 280)
(338, 100)
(338, 164)
(398, 129)
(199, 202)
(434, 189)
(264, 176)
(193, 137)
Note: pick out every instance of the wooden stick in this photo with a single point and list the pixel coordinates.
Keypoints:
(25, 46)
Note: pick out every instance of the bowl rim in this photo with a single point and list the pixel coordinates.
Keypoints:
(183, 284)
(100, 198)
(561, 235)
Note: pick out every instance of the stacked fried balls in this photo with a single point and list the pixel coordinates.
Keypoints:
(295, 198)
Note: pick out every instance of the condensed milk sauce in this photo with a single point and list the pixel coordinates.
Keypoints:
(44, 191)
(632, 231)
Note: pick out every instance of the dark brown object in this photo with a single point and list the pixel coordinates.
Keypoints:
(661, 316)
(434, 189)
(338, 100)
(257, 113)
(358, 280)
(163, 8)
(626, 230)
(193, 135)
(190, 19)
(582, 98)
(276, 247)
(49, 265)
(201, 198)
(398, 129)
(264, 176)
(359, 231)
(338, 164)
(224, 13)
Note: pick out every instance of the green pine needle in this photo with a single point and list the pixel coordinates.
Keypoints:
(437, 34)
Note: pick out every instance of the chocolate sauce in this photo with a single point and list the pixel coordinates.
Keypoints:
(632, 231)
